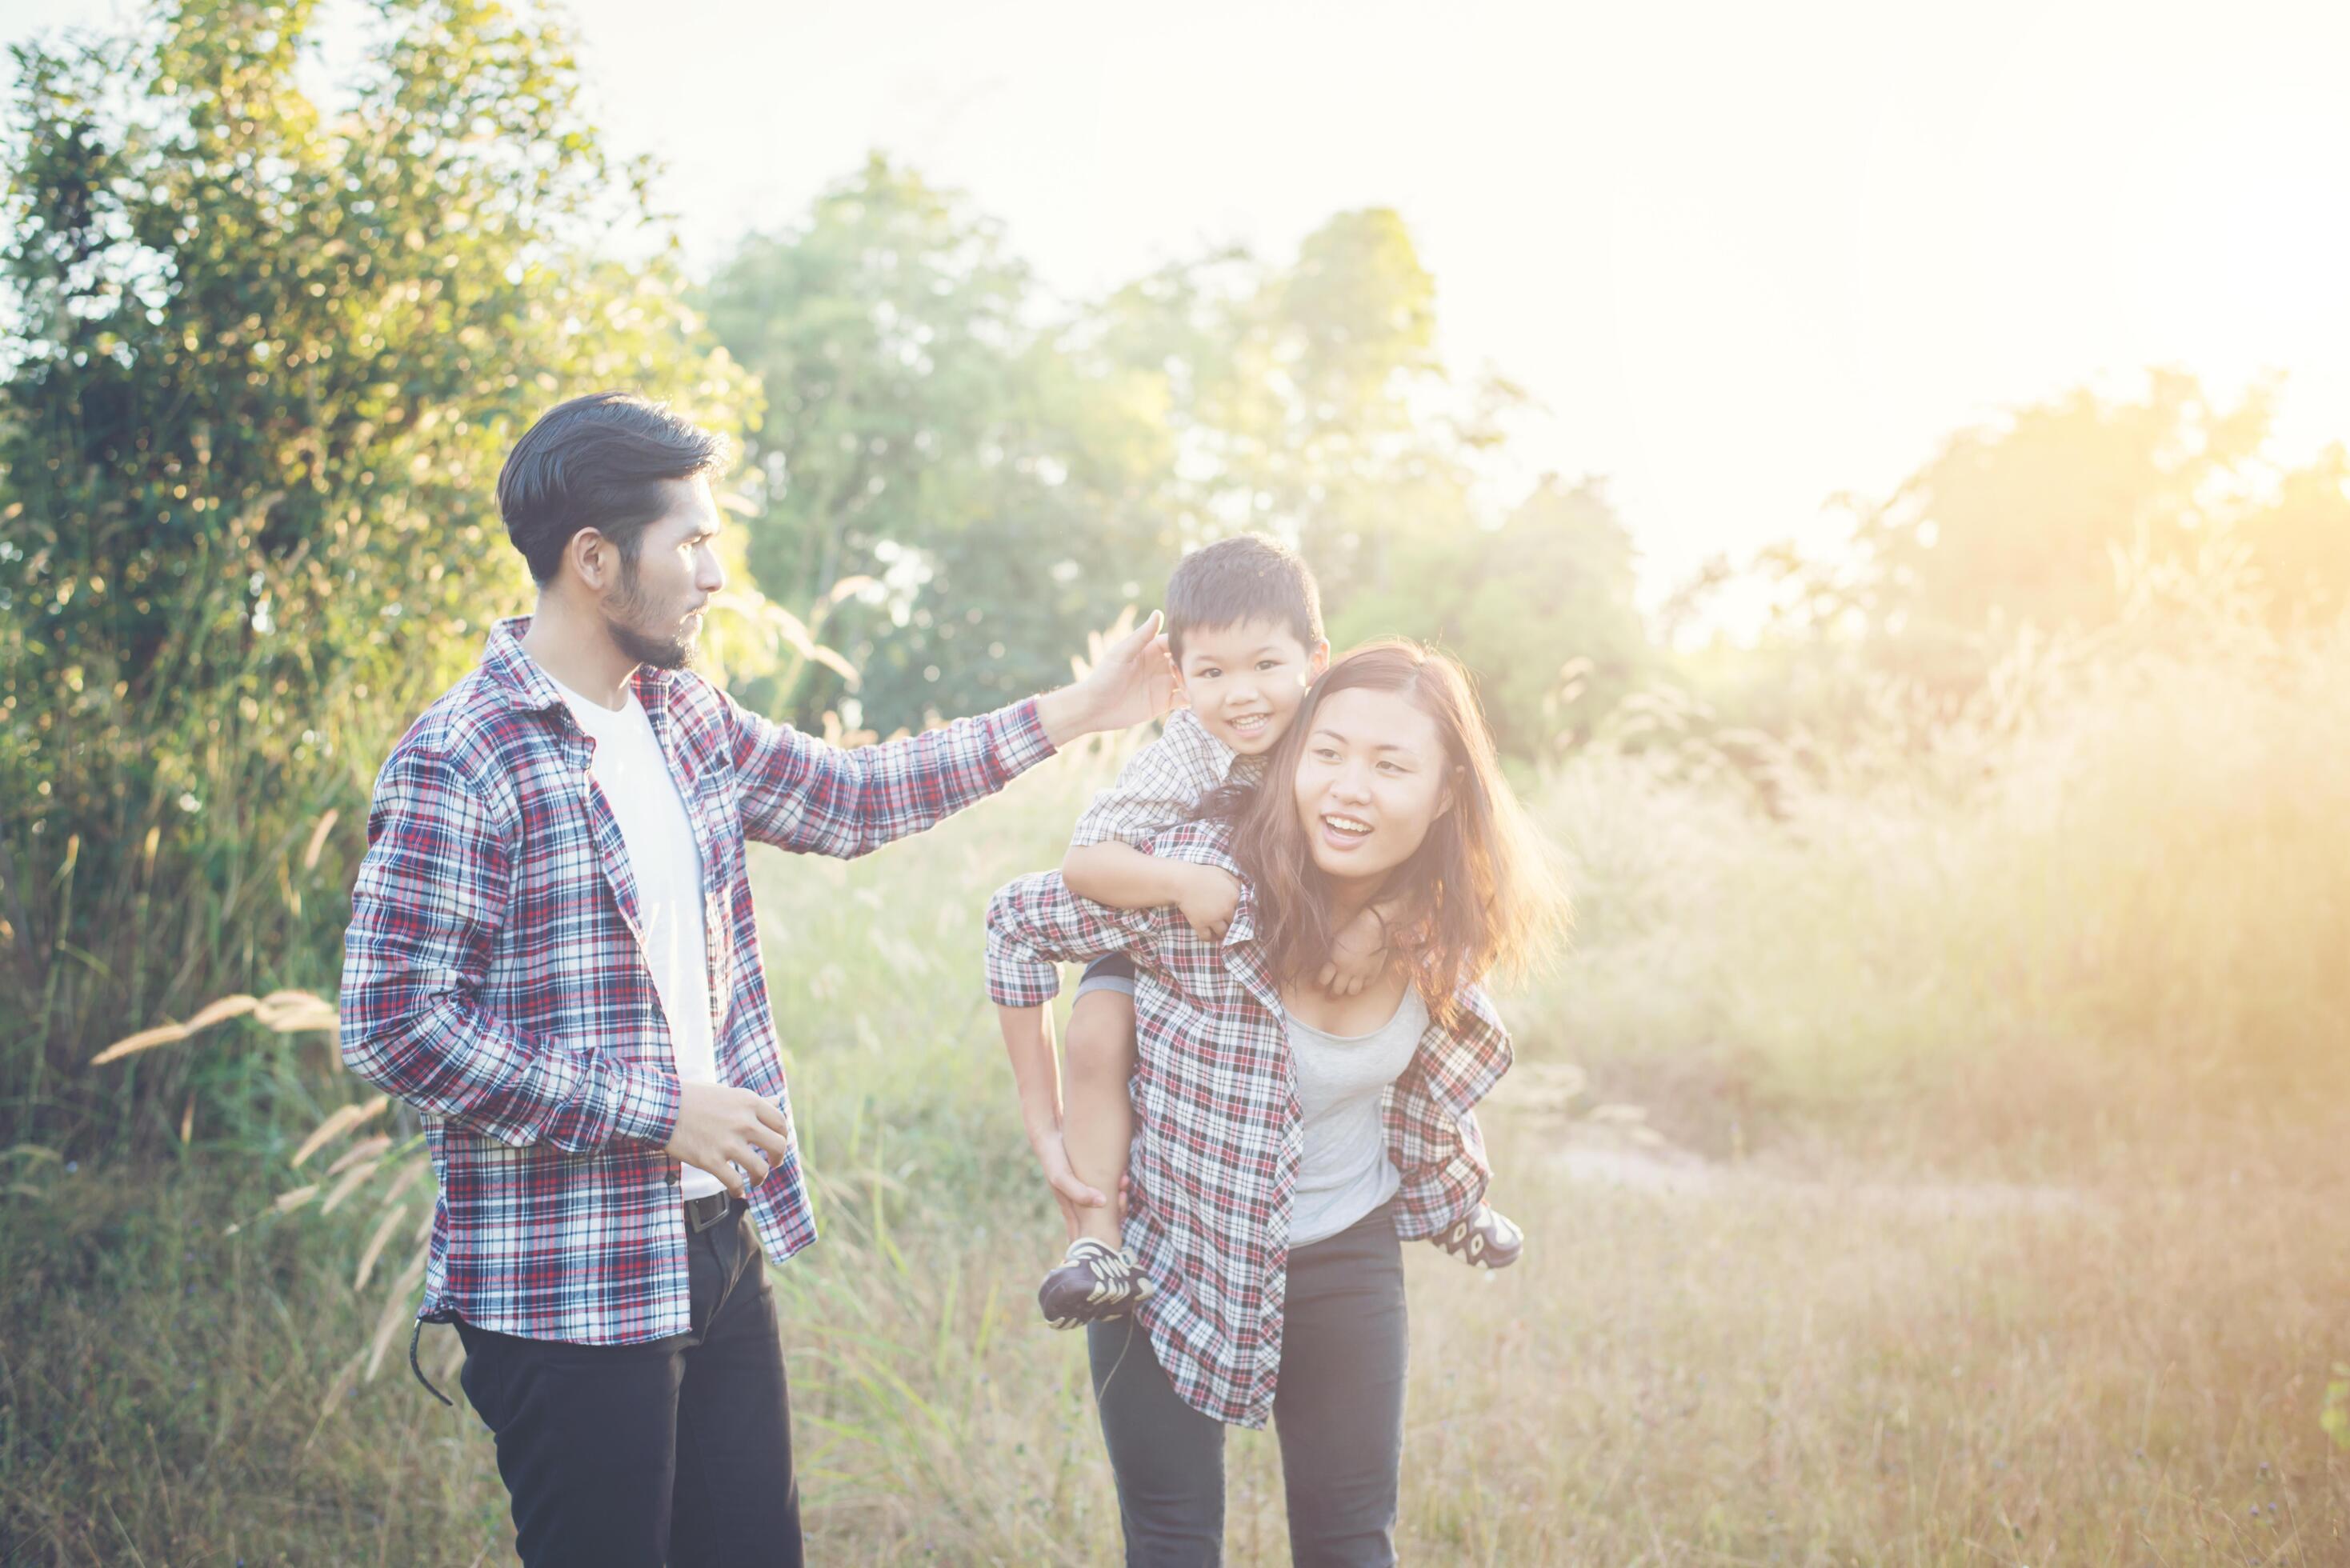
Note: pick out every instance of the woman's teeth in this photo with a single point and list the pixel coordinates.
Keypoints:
(1347, 826)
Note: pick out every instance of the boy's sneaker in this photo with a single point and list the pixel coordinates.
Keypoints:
(1093, 1283)
(1483, 1240)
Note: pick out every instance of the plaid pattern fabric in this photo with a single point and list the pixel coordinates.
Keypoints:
(492, 975)
(1163, 783)
(1217, 1129)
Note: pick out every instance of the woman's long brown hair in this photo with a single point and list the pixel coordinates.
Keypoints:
(1478, 894)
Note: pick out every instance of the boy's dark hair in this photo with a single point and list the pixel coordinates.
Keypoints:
(1245, 577)
(596, 461)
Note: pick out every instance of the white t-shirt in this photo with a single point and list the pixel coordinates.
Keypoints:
(634, 775)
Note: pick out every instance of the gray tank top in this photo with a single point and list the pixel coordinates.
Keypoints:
(1345, 1172)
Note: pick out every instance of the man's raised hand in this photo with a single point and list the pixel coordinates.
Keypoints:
(719, 1127)
(1132, 681)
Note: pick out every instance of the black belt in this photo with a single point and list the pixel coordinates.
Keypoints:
(701, 1213)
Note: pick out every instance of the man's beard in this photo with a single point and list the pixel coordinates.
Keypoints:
(674, 651)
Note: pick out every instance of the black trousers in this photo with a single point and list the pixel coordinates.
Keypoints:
(676, 1451)
(1338, 1410)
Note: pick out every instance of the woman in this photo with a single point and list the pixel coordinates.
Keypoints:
(1287, 1140)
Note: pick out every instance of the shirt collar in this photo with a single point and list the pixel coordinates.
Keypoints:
(1220, 757)
(530, 690)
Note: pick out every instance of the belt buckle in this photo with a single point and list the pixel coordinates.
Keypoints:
(719, 1215)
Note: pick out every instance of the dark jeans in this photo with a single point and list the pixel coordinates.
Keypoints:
(675, 1451)
(1338, 1411)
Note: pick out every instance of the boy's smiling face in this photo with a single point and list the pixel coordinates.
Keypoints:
(1247, 681)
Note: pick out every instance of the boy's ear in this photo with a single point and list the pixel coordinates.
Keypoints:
(1320, 661)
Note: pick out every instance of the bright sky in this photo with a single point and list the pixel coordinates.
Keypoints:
(1745, 255)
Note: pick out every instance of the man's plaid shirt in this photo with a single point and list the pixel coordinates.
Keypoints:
(492, 975)
(1217, 1128)
(1163, 783)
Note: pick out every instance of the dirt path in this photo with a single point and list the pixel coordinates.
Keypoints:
(1610, 1156)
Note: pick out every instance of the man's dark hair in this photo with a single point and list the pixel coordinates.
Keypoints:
(1245, 577)
(596, 461)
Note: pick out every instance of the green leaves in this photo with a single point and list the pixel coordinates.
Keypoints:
(1010, 469)
(930, 431)
(265, 366)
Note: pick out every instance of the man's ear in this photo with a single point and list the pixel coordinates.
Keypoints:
(595, 559)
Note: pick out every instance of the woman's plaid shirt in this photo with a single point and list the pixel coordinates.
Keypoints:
(1217, 1128)
(493, 974)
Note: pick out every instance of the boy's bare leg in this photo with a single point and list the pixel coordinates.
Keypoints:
(1098, 1120)
(1035, 1058)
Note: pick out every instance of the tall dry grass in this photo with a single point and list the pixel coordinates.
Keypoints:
(2099, 903)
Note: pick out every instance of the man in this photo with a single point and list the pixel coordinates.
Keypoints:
(552, 954)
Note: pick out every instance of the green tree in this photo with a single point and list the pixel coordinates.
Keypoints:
(1540, 607)
(263, 367)
(943, 478)
(978, 475)
(1308, 399)
(2021, 521)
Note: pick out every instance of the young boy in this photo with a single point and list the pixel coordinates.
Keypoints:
(1244, 629)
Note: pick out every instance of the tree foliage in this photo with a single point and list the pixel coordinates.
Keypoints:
(2030, 520)
(978, 472)
(933, 443)
(265, 362)
(1539, 606)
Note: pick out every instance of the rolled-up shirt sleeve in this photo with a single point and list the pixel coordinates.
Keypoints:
(1035, 923)
(425, 912)
(1161, 785)
(1432, 1132)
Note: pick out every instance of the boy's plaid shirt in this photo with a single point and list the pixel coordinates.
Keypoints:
(1163, 783)
(492, 975)
(1217, 1128)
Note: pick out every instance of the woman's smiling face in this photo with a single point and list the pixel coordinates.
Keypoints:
(1370, 782)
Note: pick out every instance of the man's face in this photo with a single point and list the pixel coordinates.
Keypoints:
(1245, 682)
(654, 613)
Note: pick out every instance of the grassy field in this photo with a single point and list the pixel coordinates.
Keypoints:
(1932, 1156)
(1811, 1369)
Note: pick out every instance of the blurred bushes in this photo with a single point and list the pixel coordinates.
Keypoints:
(2100, 896)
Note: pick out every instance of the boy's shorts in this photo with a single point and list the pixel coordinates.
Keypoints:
(1115, 972)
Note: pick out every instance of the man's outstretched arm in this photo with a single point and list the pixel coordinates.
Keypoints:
(800, 794)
